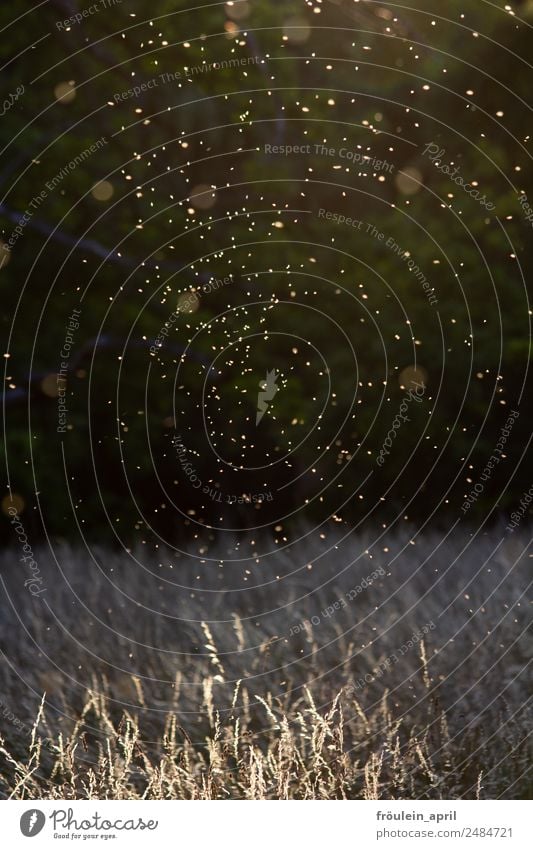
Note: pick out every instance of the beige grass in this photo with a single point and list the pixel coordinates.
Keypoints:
(222, 707)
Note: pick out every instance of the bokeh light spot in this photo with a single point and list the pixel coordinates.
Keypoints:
(103, 190)
(65, 92)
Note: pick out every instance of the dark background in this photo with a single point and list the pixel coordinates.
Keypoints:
(396, 79)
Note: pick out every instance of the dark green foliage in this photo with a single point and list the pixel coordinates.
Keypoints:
(473, 347)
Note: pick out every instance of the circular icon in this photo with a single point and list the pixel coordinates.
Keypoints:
(32, 822)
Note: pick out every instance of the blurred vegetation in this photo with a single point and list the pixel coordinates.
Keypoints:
(372, 78)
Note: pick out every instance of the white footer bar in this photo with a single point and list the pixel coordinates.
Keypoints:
(268, 825)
